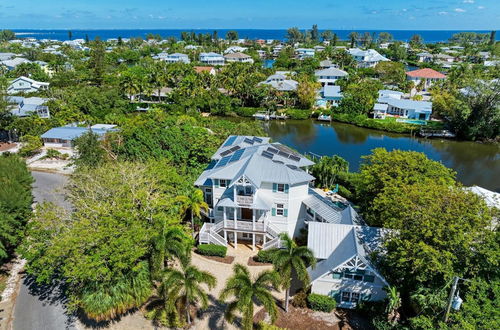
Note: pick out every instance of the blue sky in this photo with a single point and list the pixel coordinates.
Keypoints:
(258, 14)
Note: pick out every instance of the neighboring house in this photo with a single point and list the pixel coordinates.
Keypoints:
(238, 57)
(26, 106)
(192, 47)
(367, 58)
(256, 190)
(281, 83)
(208, 69)
(344, 270)
(427, 75)
(303, 53)
(491, 63)
(418, 110)
(277, 50)
(174, 58)
(329, 95)
(385, 93)
(26, 85)
(235, 49)
(329, 76)
(212, 58)
(65, 136)
(7, 56)
(13, 63)
(425, 57)
(326, 64)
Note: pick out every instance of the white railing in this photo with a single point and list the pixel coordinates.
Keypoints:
(274, 243)
(244, 200)
(245, 225)
(272, 230)
(217, 239)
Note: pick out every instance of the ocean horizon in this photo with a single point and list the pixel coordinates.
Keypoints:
(429, 36)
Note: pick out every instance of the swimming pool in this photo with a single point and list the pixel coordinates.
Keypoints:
(412, 121)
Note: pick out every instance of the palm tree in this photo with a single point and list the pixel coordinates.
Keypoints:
(171, 243)
(194, 204)
(246, 291)
(292, 258)
(129, 85)
(353, 36)
(393, 304)
(182, 287)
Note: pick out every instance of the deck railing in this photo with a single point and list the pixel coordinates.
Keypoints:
(244, 200)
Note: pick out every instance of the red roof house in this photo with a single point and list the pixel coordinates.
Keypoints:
(425, 74)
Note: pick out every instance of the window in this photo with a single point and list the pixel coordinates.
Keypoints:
(280, 187)
(354, 297)
(248, 190)
(280, 210)
(346, 296)
(208, 190)
(245, 235)
(310, 212)
(220, 208)
(222, 183)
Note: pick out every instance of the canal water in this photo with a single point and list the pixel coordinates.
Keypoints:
(475, 163)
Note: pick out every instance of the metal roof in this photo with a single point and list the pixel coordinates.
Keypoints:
(71, 133)
(336, 244)
(259, 161)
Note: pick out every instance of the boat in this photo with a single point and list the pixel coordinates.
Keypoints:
(275, 115)
(261, 116)
(324, 118)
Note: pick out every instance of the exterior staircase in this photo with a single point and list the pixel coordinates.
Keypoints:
(209, 234)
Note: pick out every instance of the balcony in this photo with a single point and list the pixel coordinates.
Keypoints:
(244, 200)
(245, 225)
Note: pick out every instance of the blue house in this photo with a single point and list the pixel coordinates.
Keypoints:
(329, 96)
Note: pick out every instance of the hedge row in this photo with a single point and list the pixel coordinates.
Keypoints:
(298, 113)
(247, 111)
(264, 256)
(319, 302)
(212, 250)
(363, 121)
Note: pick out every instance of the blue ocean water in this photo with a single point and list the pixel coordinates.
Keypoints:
(430, 36)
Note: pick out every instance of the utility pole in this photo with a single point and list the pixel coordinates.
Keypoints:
(450, 297)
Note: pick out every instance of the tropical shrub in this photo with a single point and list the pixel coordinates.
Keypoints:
(319, 302)
(31, 146)
(300, 299)
(212, 250)
(298, 113)
(247, 111)
(264, 256)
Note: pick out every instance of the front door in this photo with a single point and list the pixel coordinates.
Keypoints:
(246, 214)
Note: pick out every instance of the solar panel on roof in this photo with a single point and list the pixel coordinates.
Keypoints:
(211, 165)
(274, 151)
(237, 155)
(235, 148)
(230, 141)
(247, 140)
(225, 153)
(294, 158)
(258, 140)
(267, 154)
(223, 161)
(284, 154)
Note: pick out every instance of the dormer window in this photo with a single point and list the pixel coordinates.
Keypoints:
(223, 183)
(280, 187)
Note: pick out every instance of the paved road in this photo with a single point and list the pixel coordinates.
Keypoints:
(42, 307)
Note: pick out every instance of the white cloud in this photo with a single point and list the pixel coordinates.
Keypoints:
(443, 13)
(480, 7)
(468, 1)
(460, 10)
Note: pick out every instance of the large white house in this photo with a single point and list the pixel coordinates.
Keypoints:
(173, 58)
(212, 58)
(328, 77)
(256, 190)
(238, 57)
(367, 58)
(26, 85)
(281, 82)
(390, 103)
